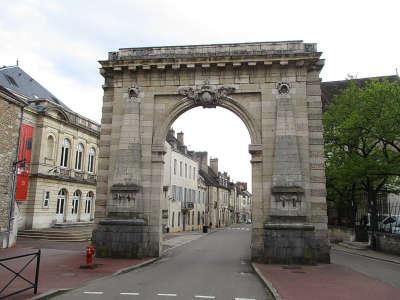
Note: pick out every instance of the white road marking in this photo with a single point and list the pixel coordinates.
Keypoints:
(130, 294)
(204, 297)
(94, 293)
(244, 299)
(167, 295)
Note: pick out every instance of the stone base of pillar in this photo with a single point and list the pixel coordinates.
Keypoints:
(126, 239)
(295, 244)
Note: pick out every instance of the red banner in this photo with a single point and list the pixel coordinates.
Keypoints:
(24, 160)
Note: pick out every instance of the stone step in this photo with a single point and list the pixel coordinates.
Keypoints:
(73, 225)
(54, 233)
(56, 238)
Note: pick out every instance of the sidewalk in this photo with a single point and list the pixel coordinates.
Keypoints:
(59, 266)
(369, 253)
(328, 282)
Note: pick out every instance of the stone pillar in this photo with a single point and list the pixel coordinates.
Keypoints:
(127, 229)
(291, 233)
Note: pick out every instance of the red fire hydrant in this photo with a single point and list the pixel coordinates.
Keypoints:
(89, 255)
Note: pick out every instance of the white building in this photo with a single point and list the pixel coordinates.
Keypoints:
(183, 205)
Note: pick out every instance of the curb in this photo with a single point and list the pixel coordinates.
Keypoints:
(131, 268)
(267, 283)
(366, 255)
(51, 293)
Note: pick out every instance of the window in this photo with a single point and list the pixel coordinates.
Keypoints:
(194, 173)
(88, 202)
(179, 219)
(190, 171)
(46, 199)
(173, 219)
(78, 157)
(175, 165)
(198, 197)
(198, 218)
(50, 146)
(188, 218)
(62, 194)
(192, 217)
(64, 153)
(180, 168)
(185, 170)
(92, 154)
(174, 192)
(75, 202)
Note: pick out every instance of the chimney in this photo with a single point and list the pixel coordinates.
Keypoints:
(179, 136)
(214, 165)
(202, 158)
(171, 132)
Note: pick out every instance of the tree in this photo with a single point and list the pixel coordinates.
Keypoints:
(362, 142)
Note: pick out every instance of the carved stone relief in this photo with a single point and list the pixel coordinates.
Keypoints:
(133, 93)
(289, 200)
(206, 95)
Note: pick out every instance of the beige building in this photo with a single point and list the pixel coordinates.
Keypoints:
(61, 157)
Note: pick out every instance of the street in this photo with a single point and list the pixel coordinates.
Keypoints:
(215, 266)
(387, 272)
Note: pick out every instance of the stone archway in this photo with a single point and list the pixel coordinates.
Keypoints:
(274, 88)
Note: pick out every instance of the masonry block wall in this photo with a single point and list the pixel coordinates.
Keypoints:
(274, 88)
(10, 114)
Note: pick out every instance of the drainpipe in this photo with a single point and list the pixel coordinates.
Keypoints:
(13, 185)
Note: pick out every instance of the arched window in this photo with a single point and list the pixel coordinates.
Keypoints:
(65, 153)
(92, 154)
(50, 146)
(61, 198)
(75, 202)
(79, 157)
(88, 202)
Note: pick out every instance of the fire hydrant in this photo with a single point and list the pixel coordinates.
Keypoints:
(89, 255)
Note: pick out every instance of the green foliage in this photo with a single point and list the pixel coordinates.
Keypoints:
(362, 139)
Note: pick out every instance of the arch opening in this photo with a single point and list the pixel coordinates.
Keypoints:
(205, 193)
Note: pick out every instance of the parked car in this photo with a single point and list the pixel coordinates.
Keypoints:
(248, 221)
(390, 224)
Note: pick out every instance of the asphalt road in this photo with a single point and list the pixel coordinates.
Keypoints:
(215, 266)
(384, 271)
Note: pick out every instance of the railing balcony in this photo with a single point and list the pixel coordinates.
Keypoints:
(91, 177)
(62, 172)
(187, 205)
(79, 175)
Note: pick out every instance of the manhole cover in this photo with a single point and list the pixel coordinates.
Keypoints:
(291, 267)
(298, 272)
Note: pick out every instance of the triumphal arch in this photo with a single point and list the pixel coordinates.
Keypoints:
(273, 87)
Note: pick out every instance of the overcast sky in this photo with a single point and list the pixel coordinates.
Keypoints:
(59, 42)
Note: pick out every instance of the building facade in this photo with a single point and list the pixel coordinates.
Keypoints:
(11, 112)
(183, 205)
(57, 182)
